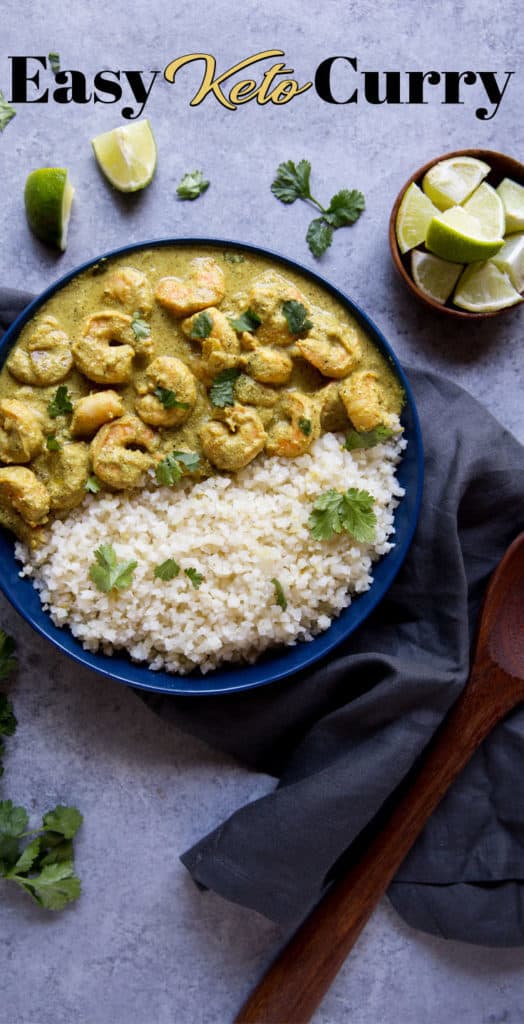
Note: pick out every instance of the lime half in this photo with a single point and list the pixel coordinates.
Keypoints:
(413, 217)
(127, 155)
(48, 196)
(457, 236)
(510, 259)
(512, 195)
(484, 288)
(451, 181)
(488, 208)
(435, 277)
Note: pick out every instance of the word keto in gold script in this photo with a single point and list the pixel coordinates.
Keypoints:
(272, 89)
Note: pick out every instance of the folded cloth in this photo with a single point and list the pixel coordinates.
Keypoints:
(341, 737)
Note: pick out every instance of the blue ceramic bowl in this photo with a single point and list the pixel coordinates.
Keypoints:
(283, 661)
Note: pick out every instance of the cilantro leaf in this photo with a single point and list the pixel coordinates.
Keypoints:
(55, 886)
(54, 61)
(356, 439)
(351, 510)
(52, 443)
(280, 597)
(304, 425)
(27, 858)
(92, 485)
(61, 402)
(192, 185)
(292, 181)
(175, 464)
(167, 570)
(319, 236)
(195, 577)
(107, 573)
(247, 321)
(6, 112)
(65, 820)
(169, 399)
(202, 326)
(345, 207)
(13, 820)
(222, 390)
(296, 316)
(140, 327)
(8, 660)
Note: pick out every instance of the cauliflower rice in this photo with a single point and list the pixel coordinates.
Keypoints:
(239, 532)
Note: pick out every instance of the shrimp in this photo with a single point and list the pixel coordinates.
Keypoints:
(106, 348)
(220, 347)
(204, 286)
(170, 378)
(47, 359)
(64, 473)
(21, 434)
(21, 490)
(92, 411)
(122, 451)
(266, 299)
(268, 365)
(233, 438)
(330, 347)
(297, 425)
(364, 400)
(131, 288)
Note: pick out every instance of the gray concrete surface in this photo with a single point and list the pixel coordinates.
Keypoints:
(143, 945)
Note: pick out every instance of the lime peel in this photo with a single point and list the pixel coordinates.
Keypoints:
(457, 236)
(48, 197)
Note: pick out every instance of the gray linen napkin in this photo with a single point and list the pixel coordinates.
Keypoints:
(342, 737)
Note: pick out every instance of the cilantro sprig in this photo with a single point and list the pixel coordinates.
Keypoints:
(7, 112)
(168, 399)
(196, 577)
(43, 867)
(296, 316)
(202, 326)
(351, 510)
(247, 321)
(192, 185)
(167, 570)
(292, 182)
(174, 465)
(107, 573)
(140, 327)
(356, 439)
(61, 402)
(222, 390)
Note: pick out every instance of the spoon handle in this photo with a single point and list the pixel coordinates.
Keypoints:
(295, 984)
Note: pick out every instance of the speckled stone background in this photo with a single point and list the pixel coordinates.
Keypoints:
(144, 946)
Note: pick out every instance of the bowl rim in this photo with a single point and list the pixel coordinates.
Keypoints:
(234, 677)
(456, 314)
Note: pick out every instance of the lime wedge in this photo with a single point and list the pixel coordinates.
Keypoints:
(457, 236)
(488, 208)
(435, 277)
(451, 181)
(127, 155)
(48, 196)
(512, 196)
(413, 217)
(510, 259)
(484, 289)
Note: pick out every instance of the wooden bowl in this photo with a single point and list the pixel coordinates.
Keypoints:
(502, 166)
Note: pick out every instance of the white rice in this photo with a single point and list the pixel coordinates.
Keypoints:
(239, 533)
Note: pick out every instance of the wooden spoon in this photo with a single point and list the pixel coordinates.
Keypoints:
(295, 984)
